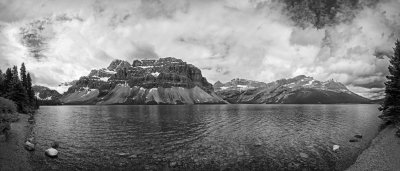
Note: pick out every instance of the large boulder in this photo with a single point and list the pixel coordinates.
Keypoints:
(51, 152)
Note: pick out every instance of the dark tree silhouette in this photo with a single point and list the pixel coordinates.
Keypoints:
(23, 75)
(391, 105)
(29, 89)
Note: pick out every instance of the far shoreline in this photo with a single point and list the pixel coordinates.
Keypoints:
(213, 104)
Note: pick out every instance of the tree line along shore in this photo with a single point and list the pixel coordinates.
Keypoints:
(16, 96)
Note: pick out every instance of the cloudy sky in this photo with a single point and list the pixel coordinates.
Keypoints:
(263, 40)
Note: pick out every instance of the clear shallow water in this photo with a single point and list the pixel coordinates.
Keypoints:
(203, 137)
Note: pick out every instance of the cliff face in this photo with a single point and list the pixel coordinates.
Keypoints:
(163, 81)
(297, 90)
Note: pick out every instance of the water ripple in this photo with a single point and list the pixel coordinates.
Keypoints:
(203, 137)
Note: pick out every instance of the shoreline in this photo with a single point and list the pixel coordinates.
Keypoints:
(13, 155)
(382, 154)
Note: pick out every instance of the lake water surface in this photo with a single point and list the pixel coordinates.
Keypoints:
(203, 137)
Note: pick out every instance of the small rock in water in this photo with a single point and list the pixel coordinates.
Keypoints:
(335, 147)
(354, 140)
(51, 152)
(132, 156)
(123, 154)
(172, 164)
(258, 142)
(29, 146)
(304, 155)
(55, 144)
(358, 136)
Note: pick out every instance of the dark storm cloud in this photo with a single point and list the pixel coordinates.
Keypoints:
(143, 51)
(323, 13)
(370, 82)
(382, 53)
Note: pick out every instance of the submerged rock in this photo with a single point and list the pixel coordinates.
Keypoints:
(172, 164)
(51, 152)
(358, 136)
(304, 155)
(29, 146)
(335, 148)
(354, 140)
(258, 142)
(123, 154)
(55, 144)
(132, 156)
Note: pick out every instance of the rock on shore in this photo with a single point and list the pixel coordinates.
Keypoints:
(383, 154)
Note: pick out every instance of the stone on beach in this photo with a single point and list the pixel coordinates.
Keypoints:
(51, 152)
(335, 147)
(29, 146)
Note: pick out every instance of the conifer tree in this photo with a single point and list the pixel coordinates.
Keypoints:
(17, 91)
(391, 105)
(23, 75)
(31, 93)
(7, 81)
(15, 75)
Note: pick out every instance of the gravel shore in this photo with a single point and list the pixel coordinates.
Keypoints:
(13, 155)
(383, 154)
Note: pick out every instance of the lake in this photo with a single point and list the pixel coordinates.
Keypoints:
(203, 137)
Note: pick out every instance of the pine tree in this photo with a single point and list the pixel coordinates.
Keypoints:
(17, 91)
(15, 75)
(7, 81)
(391, 105)
(23, 75)
(31, 93)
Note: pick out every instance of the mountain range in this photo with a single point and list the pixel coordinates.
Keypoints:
(298, 90)
(163, 81)
(173, 81)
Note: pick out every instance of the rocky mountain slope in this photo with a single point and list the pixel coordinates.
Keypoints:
(46, 96)
(297, 90)
(163, 81)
